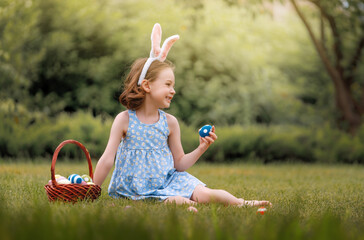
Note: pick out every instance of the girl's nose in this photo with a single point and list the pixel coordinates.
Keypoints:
(173, 91)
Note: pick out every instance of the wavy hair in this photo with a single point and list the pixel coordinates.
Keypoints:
(133, 96)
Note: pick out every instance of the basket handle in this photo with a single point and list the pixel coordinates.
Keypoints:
(55, 155)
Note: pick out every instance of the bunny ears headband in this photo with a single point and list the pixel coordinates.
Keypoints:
(156, 53)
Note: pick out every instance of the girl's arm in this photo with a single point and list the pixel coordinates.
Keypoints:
(184, 161)
(105, 163)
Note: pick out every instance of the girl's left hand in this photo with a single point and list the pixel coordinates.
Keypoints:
(205, 142)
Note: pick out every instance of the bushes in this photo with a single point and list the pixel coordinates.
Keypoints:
(31, 135)
(38, 137)
(285, 143)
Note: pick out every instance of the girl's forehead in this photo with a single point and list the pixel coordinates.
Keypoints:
(166, 74)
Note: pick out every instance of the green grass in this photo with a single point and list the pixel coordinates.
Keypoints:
(310, 202)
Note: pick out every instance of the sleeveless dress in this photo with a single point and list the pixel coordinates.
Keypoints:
(144, 167)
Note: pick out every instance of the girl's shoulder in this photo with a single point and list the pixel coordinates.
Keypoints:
(171, 119)
(122, 116)
(122, 121)
(172, 122)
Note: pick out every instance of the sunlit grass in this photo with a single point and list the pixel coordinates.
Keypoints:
(310, 201)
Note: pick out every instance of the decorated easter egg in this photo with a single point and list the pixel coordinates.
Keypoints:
(90, 183)
(261, 210)
(61, 178)
(75, 178)
(86, 178)
(63, 181)
(58, 176)
(205, 130)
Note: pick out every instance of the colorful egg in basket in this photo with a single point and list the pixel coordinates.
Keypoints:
(73, 192)
(86, 178)
(75, 178)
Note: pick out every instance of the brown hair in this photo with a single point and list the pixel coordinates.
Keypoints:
(133, 95)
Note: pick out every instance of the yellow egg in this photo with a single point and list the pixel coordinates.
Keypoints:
(64, 181)
(58, 176)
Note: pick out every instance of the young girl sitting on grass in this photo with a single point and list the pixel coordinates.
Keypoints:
(150, 161)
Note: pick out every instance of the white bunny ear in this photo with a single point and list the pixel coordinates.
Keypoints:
(156, 38)
(156, 53)
(167, 46)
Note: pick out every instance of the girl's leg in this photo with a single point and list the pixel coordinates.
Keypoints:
(202, 194)
(179, 200)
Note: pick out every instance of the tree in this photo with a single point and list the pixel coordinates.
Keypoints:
(341, 25)
(343, 22)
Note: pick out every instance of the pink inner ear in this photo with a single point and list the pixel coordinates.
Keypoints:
(167, 47)
(156, 39)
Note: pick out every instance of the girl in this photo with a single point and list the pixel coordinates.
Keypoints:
(150, 161)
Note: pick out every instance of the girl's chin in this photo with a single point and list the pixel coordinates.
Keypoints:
(166, 105)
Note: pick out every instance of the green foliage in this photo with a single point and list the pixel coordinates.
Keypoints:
(31, 135)
(232, 74)
(231, 68)
(27, 134)
(309, 202)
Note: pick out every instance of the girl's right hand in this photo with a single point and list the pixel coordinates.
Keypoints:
(205, 142)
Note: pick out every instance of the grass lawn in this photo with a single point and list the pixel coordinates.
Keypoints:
(309, 202)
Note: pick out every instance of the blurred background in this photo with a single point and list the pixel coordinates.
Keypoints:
(280, 80)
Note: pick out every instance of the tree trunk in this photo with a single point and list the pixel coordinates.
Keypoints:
(349, 117)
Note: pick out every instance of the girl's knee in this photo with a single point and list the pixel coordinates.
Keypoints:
(202, 194)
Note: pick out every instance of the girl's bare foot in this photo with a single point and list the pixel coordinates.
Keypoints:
(254, 203)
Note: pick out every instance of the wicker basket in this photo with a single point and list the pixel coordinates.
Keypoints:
(71, 192)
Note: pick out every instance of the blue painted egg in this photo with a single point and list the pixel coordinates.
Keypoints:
(75, 178)
(205, 130)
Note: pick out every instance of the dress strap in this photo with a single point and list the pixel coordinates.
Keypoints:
(163, 117)
(132, 114)
(164, 123)
(162, 114)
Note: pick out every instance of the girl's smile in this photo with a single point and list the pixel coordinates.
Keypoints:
(169, 99)
(162, 89)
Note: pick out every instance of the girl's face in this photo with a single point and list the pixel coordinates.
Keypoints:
(162, 89)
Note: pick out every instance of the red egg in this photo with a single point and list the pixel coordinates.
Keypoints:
(261, 210)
